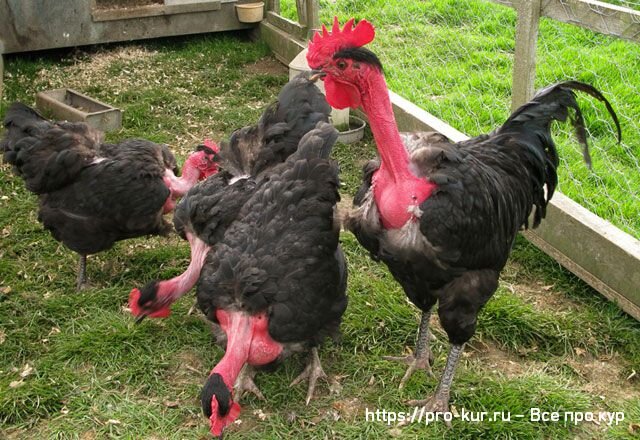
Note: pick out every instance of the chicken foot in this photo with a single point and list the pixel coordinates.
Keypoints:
(245, 384)
(312, 372)
(439, 402)
(423, 358)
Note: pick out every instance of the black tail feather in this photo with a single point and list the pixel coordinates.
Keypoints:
(530, 127)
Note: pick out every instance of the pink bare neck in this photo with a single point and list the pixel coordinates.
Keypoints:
(180, 185)
(248, 341)
(169, 291)
(396, 188)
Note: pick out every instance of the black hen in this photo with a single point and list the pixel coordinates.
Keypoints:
(213, 205)
(93, 194)
(276, 281)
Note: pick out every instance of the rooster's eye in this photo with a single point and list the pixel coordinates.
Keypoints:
(341, 64)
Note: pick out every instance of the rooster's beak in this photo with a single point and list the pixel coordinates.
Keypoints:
(317, 74)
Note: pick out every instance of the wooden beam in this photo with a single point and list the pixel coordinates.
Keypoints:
(524, 63)
(313, 17)
(283, 45)
(287, 26)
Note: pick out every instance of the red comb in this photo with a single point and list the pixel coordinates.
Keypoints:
(324, 44)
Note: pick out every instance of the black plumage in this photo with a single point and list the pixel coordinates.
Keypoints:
(279, 261)
(265, 253)
(91, 193)
(209, 208)
(281, 252)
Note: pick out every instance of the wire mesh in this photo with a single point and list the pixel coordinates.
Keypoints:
(454, 58)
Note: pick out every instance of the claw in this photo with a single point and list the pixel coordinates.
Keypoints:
(312, 372)
(245, 384)
(438, 403)
(414, 364)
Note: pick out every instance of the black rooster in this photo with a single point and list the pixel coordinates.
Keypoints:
(441, 215)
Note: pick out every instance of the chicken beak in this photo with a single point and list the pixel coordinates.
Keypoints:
(140, 319)
(316, 75)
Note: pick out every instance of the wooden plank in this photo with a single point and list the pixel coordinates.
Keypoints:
(283, 45)
(524, 62)
(170, 7)
(69, 23)
(601, 17)
(602, 255)
(273, 6)
(287, 26)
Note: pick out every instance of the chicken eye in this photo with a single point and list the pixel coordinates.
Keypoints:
(342, 64)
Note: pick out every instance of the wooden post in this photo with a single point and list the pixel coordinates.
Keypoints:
(524, 64)
(301, 8)
(313, 16)
(273, 6)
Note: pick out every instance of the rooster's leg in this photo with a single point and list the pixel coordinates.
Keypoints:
(81, 282)
(439, 402)
(245, 384)
(312, 373)
(422, 358)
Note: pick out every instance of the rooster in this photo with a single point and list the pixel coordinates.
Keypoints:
(92, 193)
(441, 215)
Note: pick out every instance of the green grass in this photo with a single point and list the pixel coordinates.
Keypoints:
(546, 340)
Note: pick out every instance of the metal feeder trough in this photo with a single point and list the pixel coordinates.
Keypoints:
(70, 105)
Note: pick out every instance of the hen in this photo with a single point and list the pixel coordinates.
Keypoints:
(441, 215)
(264, 247)
(213, 205)
(276, 282)
(92, 193)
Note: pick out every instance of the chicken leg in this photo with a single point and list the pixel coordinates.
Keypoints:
(312, 373)
(423, 358)
(439, 402)
(81, 281)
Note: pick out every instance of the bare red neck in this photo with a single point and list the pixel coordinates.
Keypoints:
(397, 191)
(180, 185)
(377, 105)
(177, 286)
(168, 292)
(248, 341)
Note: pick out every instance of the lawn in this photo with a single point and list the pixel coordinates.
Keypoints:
(74, 365)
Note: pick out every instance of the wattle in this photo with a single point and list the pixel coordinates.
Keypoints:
(341, 95)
